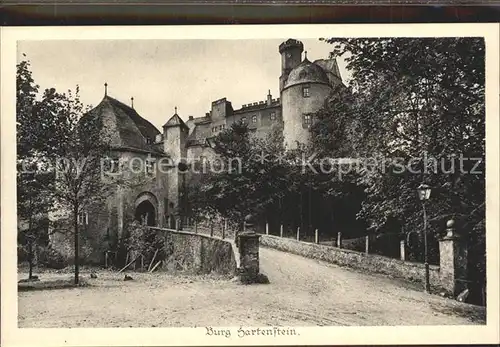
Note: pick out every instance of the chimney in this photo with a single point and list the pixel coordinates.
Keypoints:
(191, 117)
(269, 98)
(132, 102)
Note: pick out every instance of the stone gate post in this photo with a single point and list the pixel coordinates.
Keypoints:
(249, 256)
(453, 261)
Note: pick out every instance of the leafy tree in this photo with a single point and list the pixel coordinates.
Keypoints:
(36, 127)
(250, 179)
(82, 145)
(417, 97)
(417, 102)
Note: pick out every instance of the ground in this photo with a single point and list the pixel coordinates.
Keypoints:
(302, 292)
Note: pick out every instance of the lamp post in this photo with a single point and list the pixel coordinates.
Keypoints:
(424, 193)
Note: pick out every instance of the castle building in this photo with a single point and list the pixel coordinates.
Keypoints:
(157, 196)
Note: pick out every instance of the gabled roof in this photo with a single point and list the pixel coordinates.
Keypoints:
(124, 126)
(198, 135)
(174, 121)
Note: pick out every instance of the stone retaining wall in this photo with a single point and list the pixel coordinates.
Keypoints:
(197, 253)
(353, 259)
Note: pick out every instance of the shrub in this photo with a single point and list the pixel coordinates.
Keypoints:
(143, 240)
(51, 258)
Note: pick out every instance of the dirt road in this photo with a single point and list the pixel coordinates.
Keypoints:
(303, 292)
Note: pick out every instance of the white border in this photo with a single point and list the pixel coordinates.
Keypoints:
(12, 336)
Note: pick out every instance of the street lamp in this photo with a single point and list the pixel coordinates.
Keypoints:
(424, 193)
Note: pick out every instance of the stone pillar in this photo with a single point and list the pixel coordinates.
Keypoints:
(249, 256)
(402, 250)
(339, 239)
(453, 261)
(267, 228)
(367, 244)
(281, 230)
(316, 236)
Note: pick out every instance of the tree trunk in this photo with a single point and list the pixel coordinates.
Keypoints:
(77, 265)
(30, 258)
(30, 242)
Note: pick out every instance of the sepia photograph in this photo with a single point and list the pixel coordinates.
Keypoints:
(254, 187)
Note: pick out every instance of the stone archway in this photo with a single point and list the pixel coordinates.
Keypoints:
(146, 209)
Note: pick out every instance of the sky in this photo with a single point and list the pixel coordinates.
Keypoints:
(163, 74)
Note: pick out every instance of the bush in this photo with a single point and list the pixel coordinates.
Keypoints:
(51, 258)
(143, 240)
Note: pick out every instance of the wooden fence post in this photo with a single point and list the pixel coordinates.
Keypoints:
(267, 228)
(281, 230)
(223, 230)
(211, 229)
(196, 226)
(316, 236)
(298, 233)
(106, 260)
(244, 225)
(367, 244)
(339, 239)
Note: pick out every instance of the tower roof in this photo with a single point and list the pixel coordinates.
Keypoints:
(307, 72)
(124, 126)
(174, 121)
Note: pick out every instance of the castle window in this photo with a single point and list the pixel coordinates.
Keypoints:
(244, 120)
(254, 119)
(305, 91)
(83, 218)
(150, 165)
(148, 141)
(307, 120)
(112, 165)
(273, 115)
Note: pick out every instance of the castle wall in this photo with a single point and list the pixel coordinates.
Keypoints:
(295, 106)
(264, 124)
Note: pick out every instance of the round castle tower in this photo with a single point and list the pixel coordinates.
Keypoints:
(304, 86)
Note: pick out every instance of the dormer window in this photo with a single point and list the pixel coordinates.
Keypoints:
(306, 91)
(273, 116)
